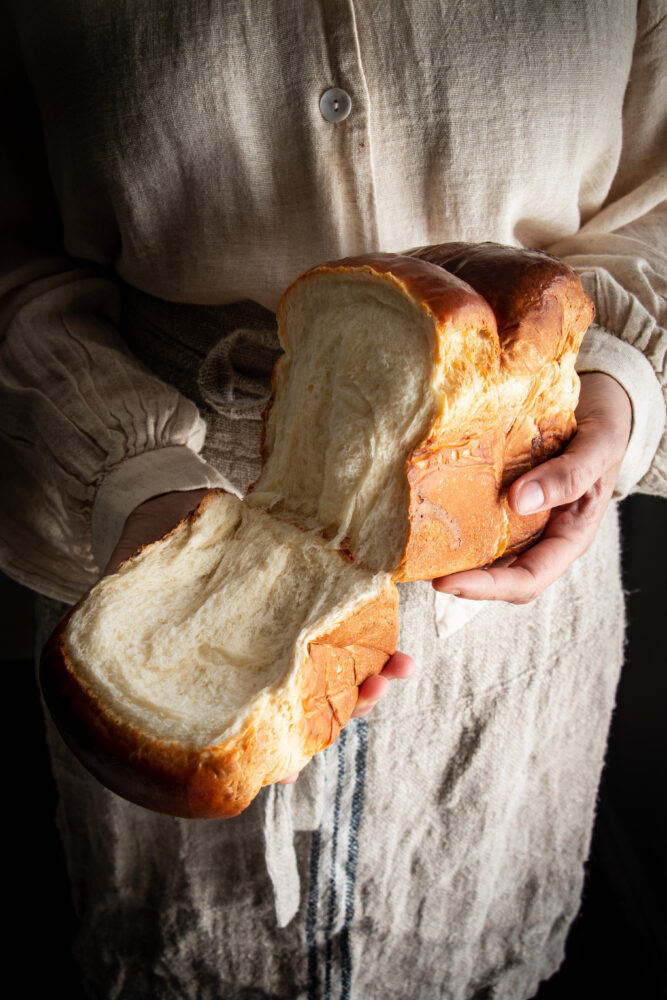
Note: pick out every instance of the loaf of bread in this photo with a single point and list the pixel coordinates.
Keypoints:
(409, 398)
(216, 660)
(413, 389)
(542, 313)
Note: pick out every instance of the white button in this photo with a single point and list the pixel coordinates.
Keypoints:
(335, 104)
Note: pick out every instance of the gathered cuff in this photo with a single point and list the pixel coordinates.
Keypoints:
(601, 351)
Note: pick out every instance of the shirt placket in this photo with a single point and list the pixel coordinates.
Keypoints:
(344, 105)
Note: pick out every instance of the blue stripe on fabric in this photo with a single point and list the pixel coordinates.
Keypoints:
(353, 856)
(331, 910)
(311, 914)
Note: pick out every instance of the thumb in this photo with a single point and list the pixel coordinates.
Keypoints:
(568, 477)
(604, 416)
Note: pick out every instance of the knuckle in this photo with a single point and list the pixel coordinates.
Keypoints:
(571, 479)
(595, 497)
(527, 598)
(530, 590)
(593, 503)
(596, 489)
(575, 480)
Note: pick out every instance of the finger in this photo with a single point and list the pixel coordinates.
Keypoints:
(372, 689)
(564, 479)
(568, 534)
(519, 583)
(370, 693)
(400, 665)
(604, 416)
(505, 561)
(362, 708)
(289, 780)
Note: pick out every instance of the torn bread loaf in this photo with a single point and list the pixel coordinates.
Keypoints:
(400, 416)
(217, 660)
(542, 313)
(224, 656)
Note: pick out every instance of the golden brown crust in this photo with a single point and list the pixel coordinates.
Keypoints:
(540, 307)
(221, 781)
(450, 301)
(542, 313)
(456, 521)
(340, 661)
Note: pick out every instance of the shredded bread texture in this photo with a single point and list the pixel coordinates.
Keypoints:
(366, 376)
(194, 633)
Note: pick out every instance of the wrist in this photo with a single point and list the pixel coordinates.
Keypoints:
(605, 402)
(131, 482)
(153, 519)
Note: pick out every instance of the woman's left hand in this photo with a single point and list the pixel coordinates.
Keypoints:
(577, 486)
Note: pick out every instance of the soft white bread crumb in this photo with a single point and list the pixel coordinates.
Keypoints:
(367, 374)
(189, 636)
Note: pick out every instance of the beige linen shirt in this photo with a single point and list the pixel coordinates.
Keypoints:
(189, 157)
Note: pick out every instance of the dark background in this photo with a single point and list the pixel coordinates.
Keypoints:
(617, 944)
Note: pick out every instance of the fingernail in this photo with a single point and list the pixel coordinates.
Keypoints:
(530, 499)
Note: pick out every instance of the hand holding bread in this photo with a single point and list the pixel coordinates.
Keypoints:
(407, 402)
(575, 488)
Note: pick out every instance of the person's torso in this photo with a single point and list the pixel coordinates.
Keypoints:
(188, 148)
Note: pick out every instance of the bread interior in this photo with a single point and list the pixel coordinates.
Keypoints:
(366, 377)
(354, 395)
(191, 634)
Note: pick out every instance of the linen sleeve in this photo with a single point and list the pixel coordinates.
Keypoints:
(620, 254)
(86, 432)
